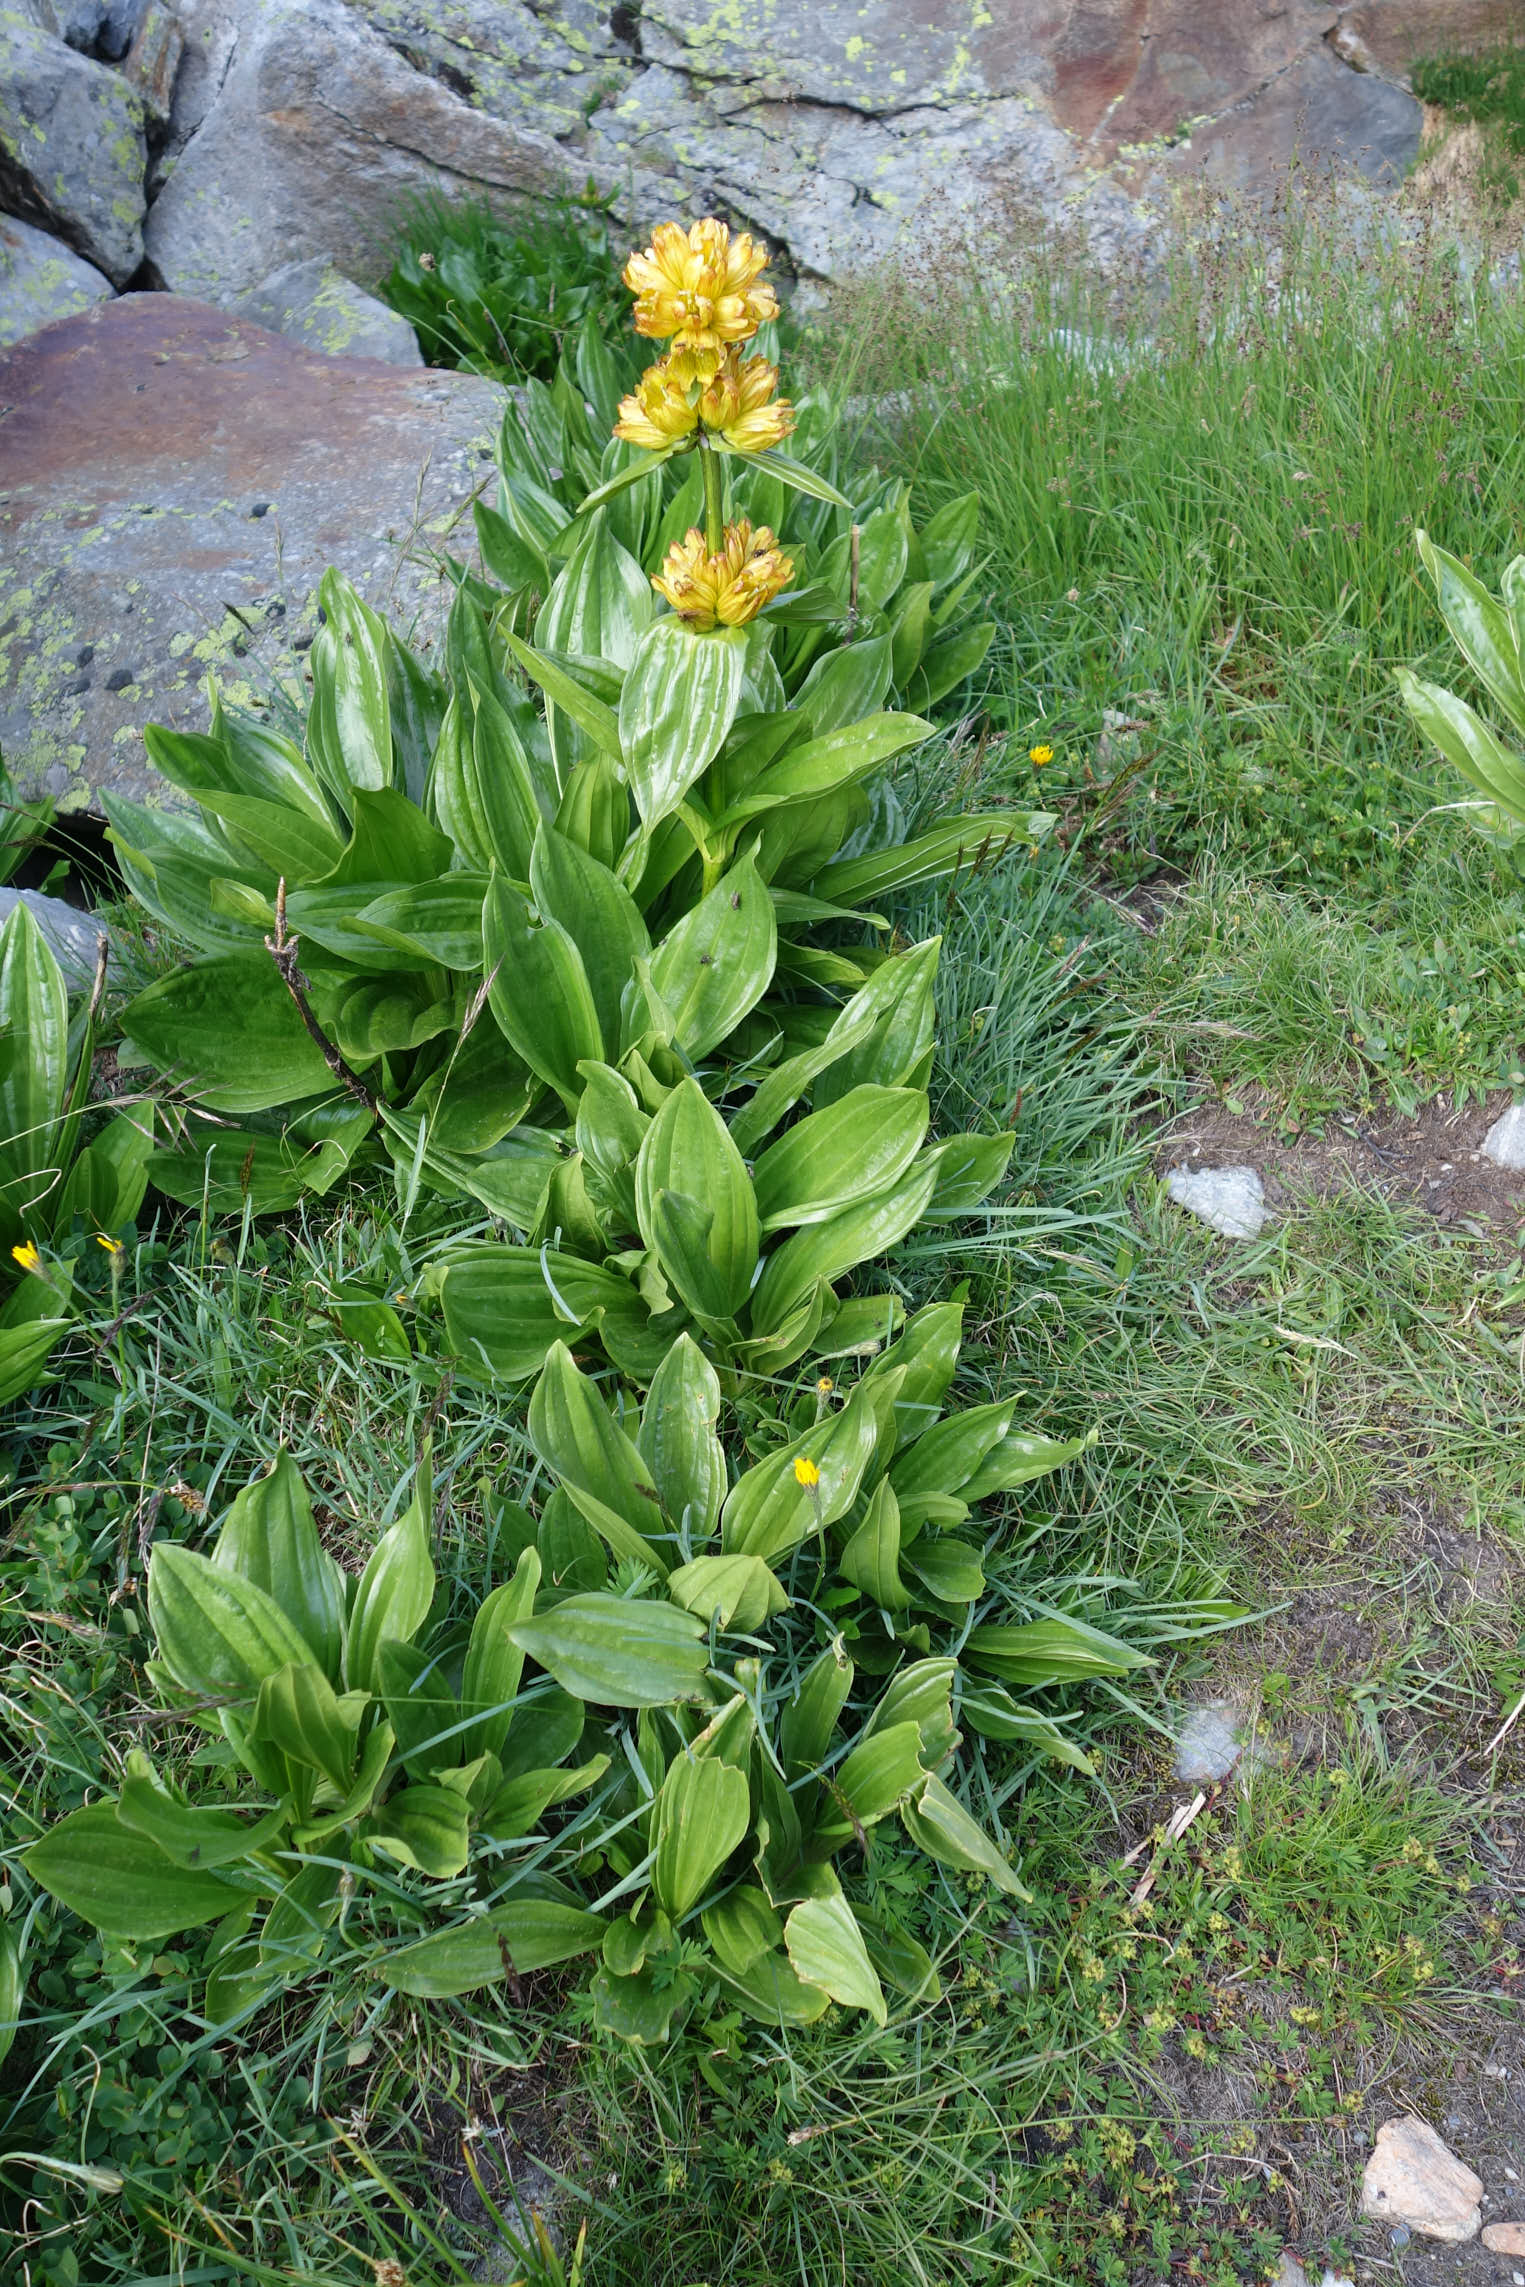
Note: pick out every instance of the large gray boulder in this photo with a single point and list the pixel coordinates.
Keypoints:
(73, 152)
(843, 129)
(173, 483)
(315, 304)
(297, 129)
(41, 279)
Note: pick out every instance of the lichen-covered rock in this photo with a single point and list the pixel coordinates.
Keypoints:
(152, 63)
(315, 304)
(309, 137)
(73, 153)
(173, 484)
(41, 280)
(840, 128)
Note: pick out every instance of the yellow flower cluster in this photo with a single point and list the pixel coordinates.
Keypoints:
(728, 588)
(698, 290)
(739, 404)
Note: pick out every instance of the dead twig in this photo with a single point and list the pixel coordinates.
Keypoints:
(1180, 1819)
(1508, 1724)
(283, 952)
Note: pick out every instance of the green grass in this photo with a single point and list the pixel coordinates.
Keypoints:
(1487, 91)
(495, 297)
(1199, 504)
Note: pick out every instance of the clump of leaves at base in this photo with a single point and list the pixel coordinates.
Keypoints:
(498, 296)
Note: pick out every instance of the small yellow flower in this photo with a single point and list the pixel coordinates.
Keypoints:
(742, 406)
(113, 1247)
(1039, 755)
(729, 588)
(825, 1385)
(698, 289)
(806, 1474)
(659, 414)
(28, 1256)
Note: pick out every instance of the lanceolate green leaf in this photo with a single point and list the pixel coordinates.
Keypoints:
(679, 701)
(393, 1594)
(677, 1440)
(598, 914)
(715, 966)
(702, 1813)
(802, 479)
(507, 1942)
(34, 1046)
(539, 991)
(218, 1635)
(505, 1306)
(957, 845)
(227, 1030)
(589, 713)
(574, 1433)
(121, 1882)
(688, 1156)
(825, 1947)
(617, 1652)
(862, 1143)
(939, 1824)
(350, 732)
(1482, 627)
(1467, 743)
(823, 764)
(852, 1235)
(268, 1536)
(494, 1662)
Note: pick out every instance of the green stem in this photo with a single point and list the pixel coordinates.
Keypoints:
(714, 501)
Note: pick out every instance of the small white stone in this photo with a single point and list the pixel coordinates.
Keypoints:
(1207, 1745)
(1336, 2279)
(1504, 1143)
(1230, 1200)
(1290, 2272)
(1413, 2177)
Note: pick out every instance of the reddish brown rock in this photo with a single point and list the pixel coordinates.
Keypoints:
(1399, 33)
(173, 483)
(1129, 71)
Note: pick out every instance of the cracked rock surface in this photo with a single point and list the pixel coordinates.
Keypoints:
(834, 126)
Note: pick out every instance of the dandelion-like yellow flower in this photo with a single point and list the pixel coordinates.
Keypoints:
(806, 1474)
(742, 405)
(825, 1385)
(28, 1256)
(1040, 755)
(698, 289)
(659, 414)
(113, 1247)
(729, 588)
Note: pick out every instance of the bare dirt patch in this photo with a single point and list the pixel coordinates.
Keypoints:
(1433, 1159)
